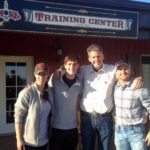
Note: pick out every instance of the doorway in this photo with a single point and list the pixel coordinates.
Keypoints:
(146, 70)
(15, 73)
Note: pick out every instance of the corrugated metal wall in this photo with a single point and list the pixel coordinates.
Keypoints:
(44, 47)
(21, 44)
(114, 49)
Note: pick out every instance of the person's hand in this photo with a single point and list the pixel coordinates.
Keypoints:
(137, 83)
(20, 145)
(59, 72)
(29, 85)
(147, 140)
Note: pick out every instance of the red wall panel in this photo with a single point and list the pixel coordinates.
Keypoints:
(44, 47)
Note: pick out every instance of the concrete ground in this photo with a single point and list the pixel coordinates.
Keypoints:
(8, 142)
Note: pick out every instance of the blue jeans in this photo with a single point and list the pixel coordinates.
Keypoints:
(130, 137)
(92, 125)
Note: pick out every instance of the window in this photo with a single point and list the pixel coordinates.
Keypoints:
(16, 79)
(146, 70)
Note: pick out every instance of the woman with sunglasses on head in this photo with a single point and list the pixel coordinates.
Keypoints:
(33, 110)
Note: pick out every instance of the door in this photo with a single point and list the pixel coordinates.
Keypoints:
(146, 70)
(15, 73)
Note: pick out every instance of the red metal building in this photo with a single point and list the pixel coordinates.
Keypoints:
(20, 50)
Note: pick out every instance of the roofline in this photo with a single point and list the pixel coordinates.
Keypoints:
(115, 4)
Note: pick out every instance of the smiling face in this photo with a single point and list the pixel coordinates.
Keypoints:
(123, 72)
(41, 78)
(96, 59)
(71, 68)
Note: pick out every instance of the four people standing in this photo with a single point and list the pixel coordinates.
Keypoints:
(97, 80)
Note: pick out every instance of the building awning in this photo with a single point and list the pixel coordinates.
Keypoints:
(67, 18)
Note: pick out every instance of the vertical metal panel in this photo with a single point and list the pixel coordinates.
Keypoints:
(44, 47)
(21, 44)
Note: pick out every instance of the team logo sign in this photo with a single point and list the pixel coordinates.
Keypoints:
(7, 14)
(51, 17)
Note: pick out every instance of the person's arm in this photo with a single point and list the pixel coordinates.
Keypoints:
(137, 83)
(20, 109)
(145, 100)
(78, 103)
(148, 134)
(50, 81)
(56, 76)
(78, 114)
(19, 136)
(58, 73)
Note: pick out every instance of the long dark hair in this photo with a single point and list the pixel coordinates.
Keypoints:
(44, 93)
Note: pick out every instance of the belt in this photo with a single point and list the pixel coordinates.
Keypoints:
(96, 114)
(129, 126)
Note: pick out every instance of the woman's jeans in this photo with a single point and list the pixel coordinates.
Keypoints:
(96, 124)
(130, 137)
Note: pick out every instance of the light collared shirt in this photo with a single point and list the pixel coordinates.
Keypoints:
(97, 88)
(132, 106)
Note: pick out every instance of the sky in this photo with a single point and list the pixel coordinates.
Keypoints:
(145, 1)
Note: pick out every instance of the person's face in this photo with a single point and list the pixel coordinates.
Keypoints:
(96, 59)
(41, 78)
(71, 68)
(123, 73)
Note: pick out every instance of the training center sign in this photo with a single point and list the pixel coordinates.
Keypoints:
(58, 18)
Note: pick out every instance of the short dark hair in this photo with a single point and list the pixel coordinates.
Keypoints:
(71, 57)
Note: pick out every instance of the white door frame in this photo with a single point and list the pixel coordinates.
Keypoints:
(4, 127)
(146, 71)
